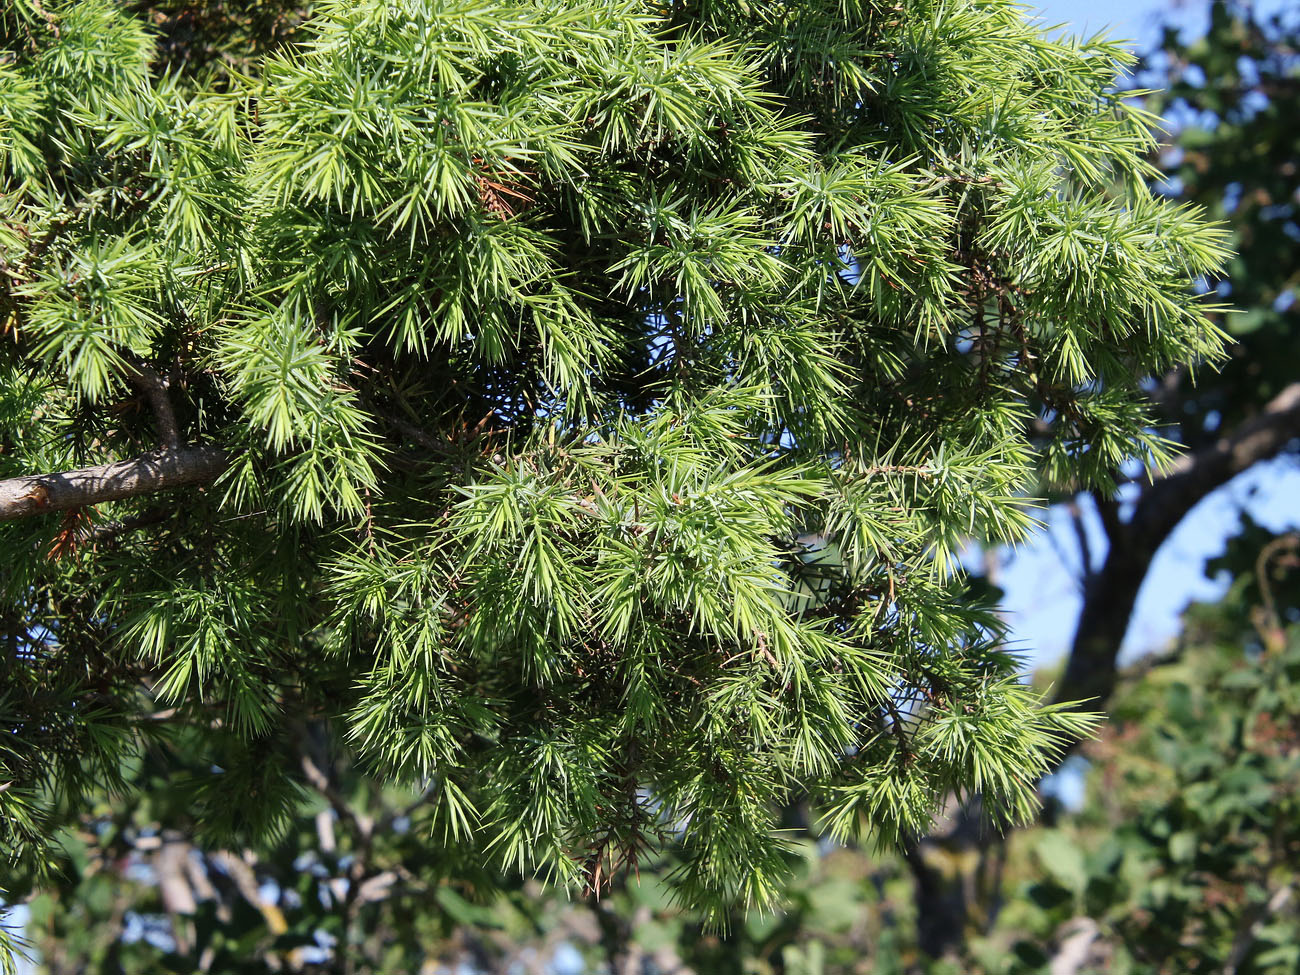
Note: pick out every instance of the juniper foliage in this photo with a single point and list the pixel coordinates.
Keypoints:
(602, 392)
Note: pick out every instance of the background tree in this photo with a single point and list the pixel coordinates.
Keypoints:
(548, 427)
(1186, 854)
(1232, 96)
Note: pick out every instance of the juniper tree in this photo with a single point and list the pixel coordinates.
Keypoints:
(579, 409)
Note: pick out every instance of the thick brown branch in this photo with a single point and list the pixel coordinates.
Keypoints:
(1112, 592)
(941, 907)
(1196, 474)
(1108, 511)
(161, 470)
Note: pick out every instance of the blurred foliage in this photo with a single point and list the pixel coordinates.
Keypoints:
(1232, 98)
(1186, 854)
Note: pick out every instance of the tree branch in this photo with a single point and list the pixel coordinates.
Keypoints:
(1252, 922)
(1081, 536)
(941, 907)
(154, 388)
(1196, 474)
(161, 470)
(1077, 938)
(1112, 591)
(1108, 511)
(363, 824)
(111, 531)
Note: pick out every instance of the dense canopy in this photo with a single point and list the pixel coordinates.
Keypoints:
(574, 410)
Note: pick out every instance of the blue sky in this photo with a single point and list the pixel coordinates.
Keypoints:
(1132, 20)
(1123, 19)
(1126, 19)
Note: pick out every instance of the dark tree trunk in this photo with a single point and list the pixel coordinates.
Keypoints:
(1109, 596)
(940, 906)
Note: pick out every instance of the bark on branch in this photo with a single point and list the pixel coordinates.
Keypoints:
(1197, 474)
(1112, 591)
(160, 470)
(154, 388)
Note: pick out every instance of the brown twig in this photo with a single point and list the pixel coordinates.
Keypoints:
(154, 388)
